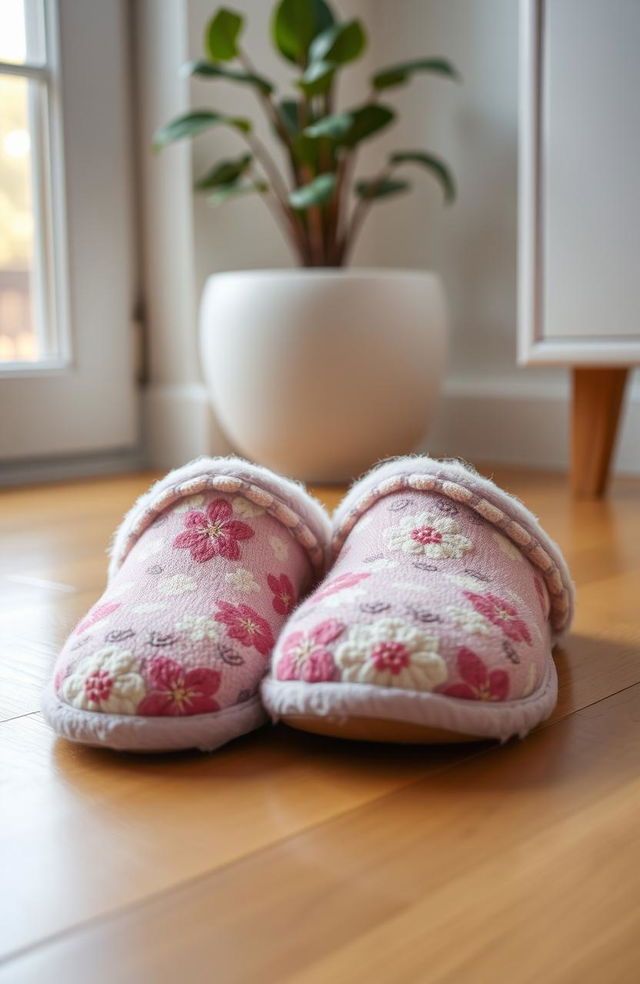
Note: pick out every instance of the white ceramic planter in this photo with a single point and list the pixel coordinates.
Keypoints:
(320, 373)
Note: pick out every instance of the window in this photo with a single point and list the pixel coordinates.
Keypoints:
(68, 264)
(33, 332)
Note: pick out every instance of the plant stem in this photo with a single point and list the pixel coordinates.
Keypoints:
(347, 233)
(279, 190)
(273, 204)
(273, 115)
(271, 168)
(360, 213)
(314, 215)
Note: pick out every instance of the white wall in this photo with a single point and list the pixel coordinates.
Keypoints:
(492, 411)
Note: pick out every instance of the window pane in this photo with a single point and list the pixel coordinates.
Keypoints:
(18, 338)
(21, 31)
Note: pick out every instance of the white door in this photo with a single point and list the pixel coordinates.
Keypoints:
(67, 261)
(580, 182)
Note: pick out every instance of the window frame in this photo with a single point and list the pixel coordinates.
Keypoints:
(51, 294)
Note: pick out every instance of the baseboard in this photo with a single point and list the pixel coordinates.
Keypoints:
(524, 422)
(68, 468)
(178, 425)
(513, 419)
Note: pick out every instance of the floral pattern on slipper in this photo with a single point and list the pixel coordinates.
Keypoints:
(426, 598)
(428, 535)
(305, 655)
(213, 533)
(107, 680)
(176, 690)
(177, 637)
(391, 653)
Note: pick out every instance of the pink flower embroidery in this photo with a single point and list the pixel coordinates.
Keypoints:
(245, 625)
(479, 683)
(426, 535)
(97, 615)
(98, 686)
(284, 594)
(177, 691)
(339, 584)
(502, 614)
(391, 656)
(213, 533)
(305, 656)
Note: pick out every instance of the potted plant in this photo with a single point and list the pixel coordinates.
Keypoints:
(321, 370)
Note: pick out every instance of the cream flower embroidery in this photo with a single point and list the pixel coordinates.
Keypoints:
(508, 548)
(245, 509)
(468, 619)
(146, 548)
(105, 681)
(428, 536)
(200, 627)
(381, 564)
(341, 598)
(191, 502)
(391, 653)
(148, 607)
(465, 581)
(280, 547)
(177, 584)
(414, 586)
(242, 580)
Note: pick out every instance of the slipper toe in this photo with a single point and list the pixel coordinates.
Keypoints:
(205, 569)
(438, 617)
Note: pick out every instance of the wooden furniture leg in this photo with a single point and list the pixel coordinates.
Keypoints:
(597, 399)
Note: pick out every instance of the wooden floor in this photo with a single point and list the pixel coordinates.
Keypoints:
(286, 857)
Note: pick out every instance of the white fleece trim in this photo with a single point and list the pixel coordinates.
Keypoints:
(461, 483)
(287, 500)
(133, 733)
(476, 718)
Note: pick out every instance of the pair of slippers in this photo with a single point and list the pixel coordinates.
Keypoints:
(425, 611)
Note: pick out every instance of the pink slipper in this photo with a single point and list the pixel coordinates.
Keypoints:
(437, 619)
(204, 570)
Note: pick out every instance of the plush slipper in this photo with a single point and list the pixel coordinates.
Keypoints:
(204, 570)
(437, 619)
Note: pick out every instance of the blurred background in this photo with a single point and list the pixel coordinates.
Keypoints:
(105, 250)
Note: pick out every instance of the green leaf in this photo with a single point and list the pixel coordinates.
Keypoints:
(221, 35)
(349, 129)
(435, 165)
(209, 70)
(317, 78)
(395, 75)
(289, 112)
(317, 192)
(380, 189)
(190, 124)
(336, 127)
(224, 173)
(323, 14)
(340, 43)
(235, 190)
(296, 23)
(368, 121)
